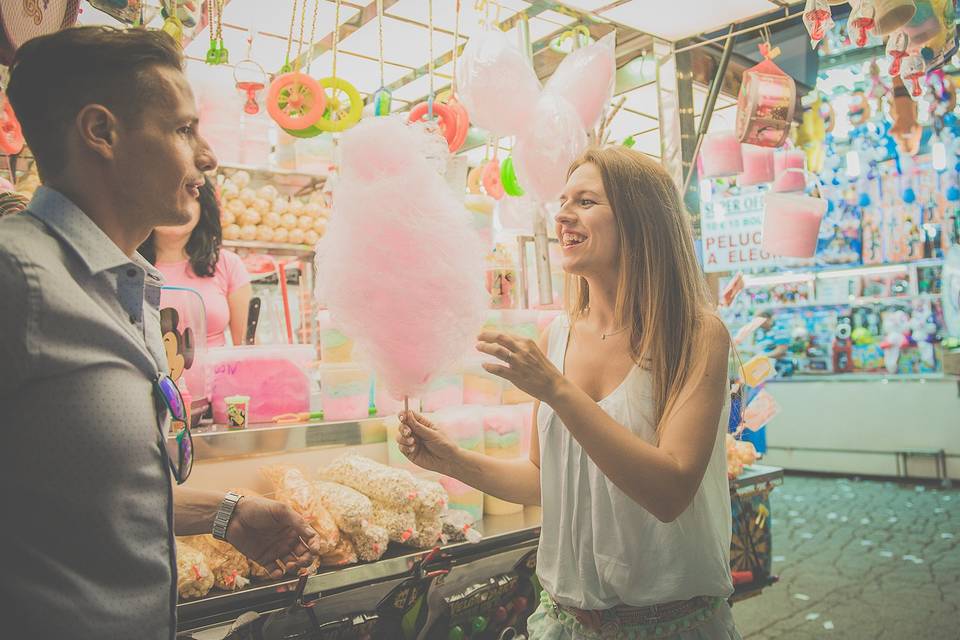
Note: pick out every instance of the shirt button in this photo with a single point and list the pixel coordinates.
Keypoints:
(132, 273)
(133, 320)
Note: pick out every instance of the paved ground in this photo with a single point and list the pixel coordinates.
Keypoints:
(860, 560)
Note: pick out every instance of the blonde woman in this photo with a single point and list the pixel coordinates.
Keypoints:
(627, 455)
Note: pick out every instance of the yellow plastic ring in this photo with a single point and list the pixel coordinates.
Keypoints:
(356, 105)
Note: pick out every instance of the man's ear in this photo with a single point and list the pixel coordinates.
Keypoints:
(97, 128)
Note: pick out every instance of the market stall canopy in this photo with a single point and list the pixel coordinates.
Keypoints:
(407, 51)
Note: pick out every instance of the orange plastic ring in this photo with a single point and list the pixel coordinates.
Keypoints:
(296, 101)
(463, 123)
(446, 119)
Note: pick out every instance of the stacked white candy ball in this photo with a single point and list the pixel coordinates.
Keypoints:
(266, 216)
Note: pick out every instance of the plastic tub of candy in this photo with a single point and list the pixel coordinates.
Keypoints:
(345, 391)
(274, 376)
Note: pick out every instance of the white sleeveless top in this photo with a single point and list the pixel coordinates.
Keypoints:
(599, 548)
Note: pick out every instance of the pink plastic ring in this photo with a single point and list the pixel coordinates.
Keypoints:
(491, 180)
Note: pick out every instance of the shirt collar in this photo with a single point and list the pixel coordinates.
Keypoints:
(75, 229)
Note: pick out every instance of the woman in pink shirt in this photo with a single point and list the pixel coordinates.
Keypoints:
(190, 256)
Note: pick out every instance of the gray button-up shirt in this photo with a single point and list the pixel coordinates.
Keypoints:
(85, 489)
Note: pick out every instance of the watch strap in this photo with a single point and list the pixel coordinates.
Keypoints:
(224, 513)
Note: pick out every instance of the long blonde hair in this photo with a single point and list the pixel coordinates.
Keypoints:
(661, 293)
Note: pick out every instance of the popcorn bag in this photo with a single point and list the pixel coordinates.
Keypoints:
(194, 578)
(293, 489)
(394, 487)
(231, 569)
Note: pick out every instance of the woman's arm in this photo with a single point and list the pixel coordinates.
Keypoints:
(239, 303)
(661, 478)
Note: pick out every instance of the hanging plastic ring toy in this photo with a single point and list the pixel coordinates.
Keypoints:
(351, 117)
(295, 100)
(463, 123)
(11, 136)
(446, 119)
(491, 180)
(474, 178)
(508, 178)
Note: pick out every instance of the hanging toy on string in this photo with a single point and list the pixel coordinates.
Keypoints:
(187, 12)
(250, 78)
(766, 102)
(295, 101)
(344, 104)
(817, 19)
(490, 176)
(509, 180)
(862, 21)
(172, 24)
(446, 118)
(382, 97)
(912, 70)
(217, 53)
(449, 97)
(897, 45)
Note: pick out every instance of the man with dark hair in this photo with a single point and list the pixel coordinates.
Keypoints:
(86, 478)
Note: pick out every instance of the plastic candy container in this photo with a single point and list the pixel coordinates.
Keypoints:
(335, 346)
(344, 391)
(444, 391)
(275, 377)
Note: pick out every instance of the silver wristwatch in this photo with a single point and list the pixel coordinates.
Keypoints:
(222, 520)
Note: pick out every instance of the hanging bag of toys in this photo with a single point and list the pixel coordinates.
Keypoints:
(766, 102)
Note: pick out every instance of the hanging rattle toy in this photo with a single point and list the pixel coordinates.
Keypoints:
(295, 101)
(445, 118)
(382, 97)
(912, 70)
(862, 21)
(217, 53)
(897, 45)
(250, 78)
(817, 18)
(344, 104)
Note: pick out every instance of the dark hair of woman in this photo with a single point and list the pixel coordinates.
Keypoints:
(203, 247)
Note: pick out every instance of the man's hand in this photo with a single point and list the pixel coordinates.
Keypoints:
(272, 535)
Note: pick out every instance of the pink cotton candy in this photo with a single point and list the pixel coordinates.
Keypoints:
(545, 150)
(586, 78)
(497, 84)
(400, 267)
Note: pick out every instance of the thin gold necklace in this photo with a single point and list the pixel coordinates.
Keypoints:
(603, 336)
